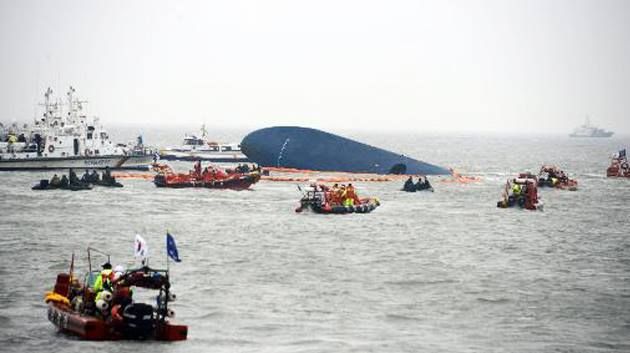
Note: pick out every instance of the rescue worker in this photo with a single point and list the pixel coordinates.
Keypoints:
(64, 183)
(55, 181)
(85, 177)
(427, 184)
(74, 180)
(351, 196)
(102, 283)
(420, 185)
(107, 175)
(104, 280)
(409, 186)
(198, 168)
(516, 189)
(12, 139)
(94, 178)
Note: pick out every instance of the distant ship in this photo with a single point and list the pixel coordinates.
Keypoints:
(305, 148)
(588, 130)
(65, 137)
(200, 148)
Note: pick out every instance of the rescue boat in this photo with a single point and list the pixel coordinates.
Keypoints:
(211, 177)
(619, 167)
(73, 310)
(521, 192)
(321, 199)
(552, 176)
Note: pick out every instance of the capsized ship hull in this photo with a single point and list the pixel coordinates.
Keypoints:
(305, 148)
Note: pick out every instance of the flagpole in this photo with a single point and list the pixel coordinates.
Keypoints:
(167, 262)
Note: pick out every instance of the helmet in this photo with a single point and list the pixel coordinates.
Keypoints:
(107, 295)
(102, 305)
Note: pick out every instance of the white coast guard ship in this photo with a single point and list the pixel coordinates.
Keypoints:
(200, 148)
(65, 137)
(588, 130)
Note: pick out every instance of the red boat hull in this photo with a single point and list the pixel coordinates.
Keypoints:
(616, 172)
(97, 329)
(234, 181)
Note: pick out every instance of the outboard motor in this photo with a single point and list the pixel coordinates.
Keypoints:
(138, 319)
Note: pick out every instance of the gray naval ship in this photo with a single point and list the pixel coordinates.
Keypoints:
(588, 130)
(65, 137)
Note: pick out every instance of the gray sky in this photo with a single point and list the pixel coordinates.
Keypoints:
(387, 65)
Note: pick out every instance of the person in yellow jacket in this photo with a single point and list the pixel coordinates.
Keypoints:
(516, 190)
(103, 280)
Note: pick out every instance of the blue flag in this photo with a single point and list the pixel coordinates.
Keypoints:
(171, 248)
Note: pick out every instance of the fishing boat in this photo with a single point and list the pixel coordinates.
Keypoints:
(79, 309)
(210, 177)
(196, 148)
(588, 130)
(321, 199)
(65, 137)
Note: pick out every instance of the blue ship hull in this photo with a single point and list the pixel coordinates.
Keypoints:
(304, 148)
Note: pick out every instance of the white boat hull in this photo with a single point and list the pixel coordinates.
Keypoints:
(224, 157)
(92, 162)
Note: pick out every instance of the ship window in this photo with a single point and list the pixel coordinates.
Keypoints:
(226, 148)
(89, 135)
(96, 152)
(103, 135)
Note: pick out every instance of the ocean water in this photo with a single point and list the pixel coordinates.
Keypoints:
(425, 272)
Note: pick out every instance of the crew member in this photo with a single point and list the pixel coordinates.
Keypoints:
(64, 182)
(516, 189)
(409, 186)
(55, 181)
(74, 180)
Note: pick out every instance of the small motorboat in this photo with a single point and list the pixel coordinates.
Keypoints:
(322, 199)
(421, 185)
(521, 192)
(619, 167)
(73, 306)
(211, 177)
(552, 176)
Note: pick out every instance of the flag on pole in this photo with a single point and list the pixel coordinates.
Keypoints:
(622, 154)
(171, 248)
(140, 247)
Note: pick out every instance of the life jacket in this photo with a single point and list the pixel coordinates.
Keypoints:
(104, 281)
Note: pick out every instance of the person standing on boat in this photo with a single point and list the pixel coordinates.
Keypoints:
(103, 282)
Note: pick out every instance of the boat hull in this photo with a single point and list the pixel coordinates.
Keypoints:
(96, 329)
(607, 134)
(90, 162)
(235, 183)
(200, 156)
(366, 206)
